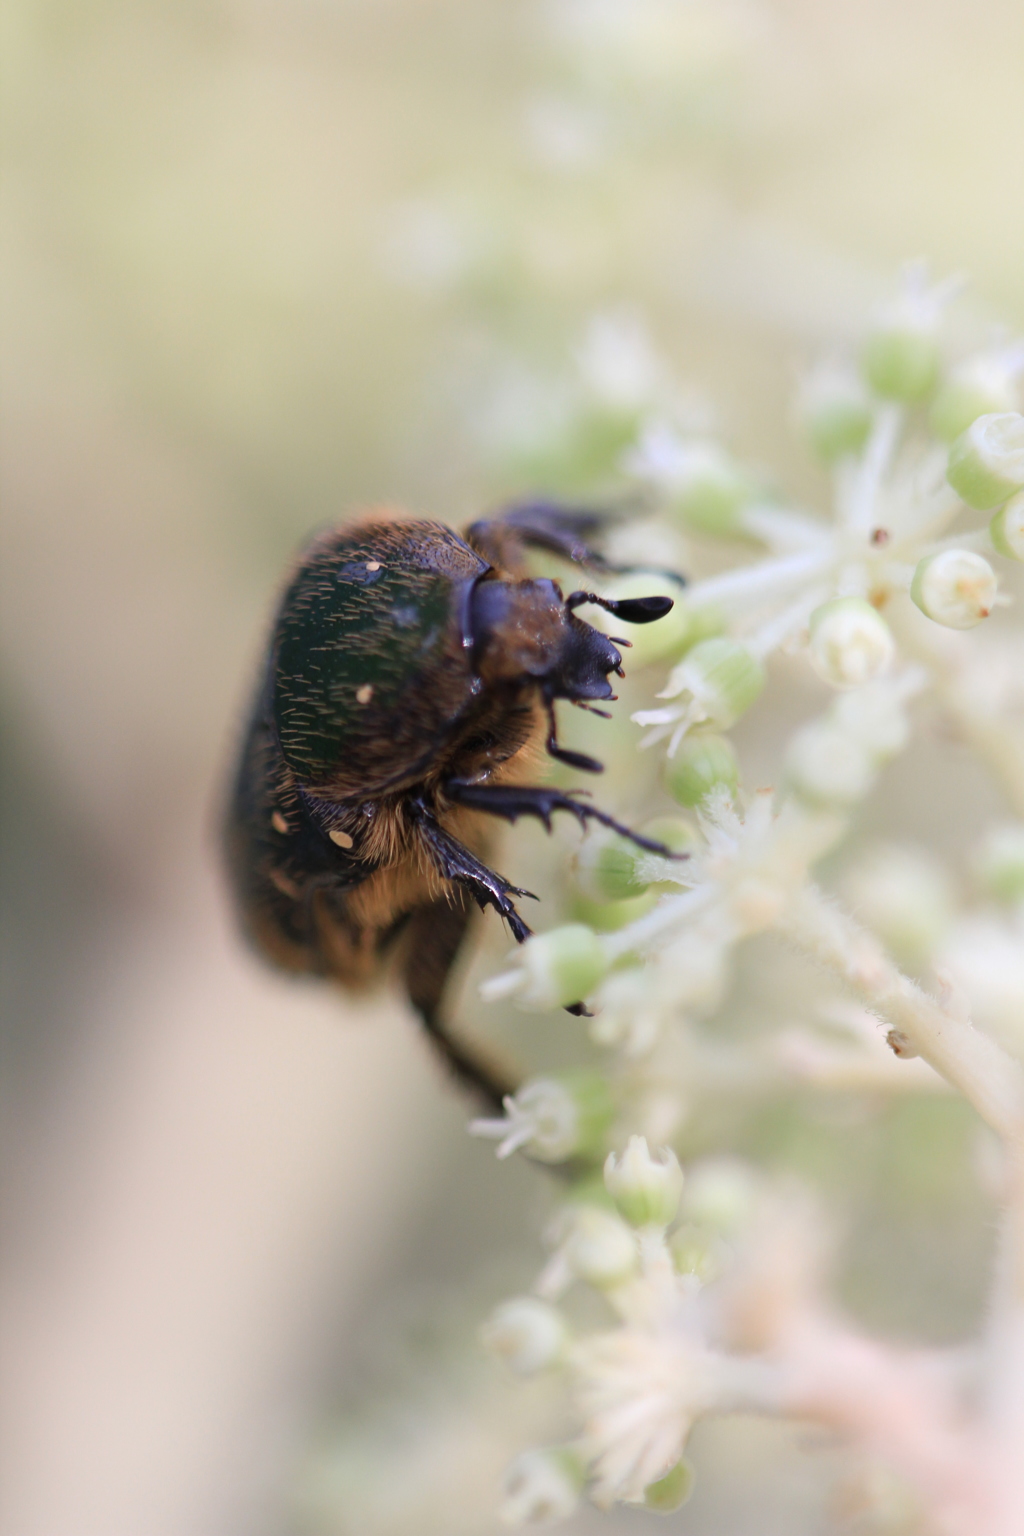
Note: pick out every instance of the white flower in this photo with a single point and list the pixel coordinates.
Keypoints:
(541, 1488)
(551, 1117)
(645, 1189)
(638, 1393)
(850, 642)
(956, 588)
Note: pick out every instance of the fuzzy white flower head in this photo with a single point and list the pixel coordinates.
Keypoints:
(639, 1393)
(645, 1189)
(527, 1334)
(541, 1487)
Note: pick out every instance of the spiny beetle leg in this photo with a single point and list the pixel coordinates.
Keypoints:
(456, 862)
(510, 801)
(560, 530)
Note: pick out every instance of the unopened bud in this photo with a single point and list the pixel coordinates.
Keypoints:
(850, 642)
(901, 354)
(645, 1189)
(1000, 862)
(670, 1492)
(696, 1252)
(526, 1334)
(721, 1194)
(701, 764)
(600, 1248)
(709, 490)
(609, 916)
(607, 867)
(980, 387)
(836, 413)
(554, 969)
(1006, 529)
(874, 718)
(956, 588)
(541, 1487)
(827, 767)
(723, 677)
(986, 463)
(677, 835)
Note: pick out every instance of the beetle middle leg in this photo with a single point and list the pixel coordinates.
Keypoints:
(431, 942)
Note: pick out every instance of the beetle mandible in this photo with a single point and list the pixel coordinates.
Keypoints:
(408, 672)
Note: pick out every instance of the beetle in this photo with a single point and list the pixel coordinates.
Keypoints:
(410, 680)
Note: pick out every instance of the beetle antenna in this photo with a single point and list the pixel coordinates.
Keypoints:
(635, 610)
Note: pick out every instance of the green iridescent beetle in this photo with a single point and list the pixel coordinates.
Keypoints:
(410, 671)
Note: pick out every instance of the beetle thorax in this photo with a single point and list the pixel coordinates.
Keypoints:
(520, 629)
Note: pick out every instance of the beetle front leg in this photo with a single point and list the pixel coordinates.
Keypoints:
(510, 801)
(560, 530)
(455, 862)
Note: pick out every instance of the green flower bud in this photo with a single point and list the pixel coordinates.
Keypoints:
(956, 588)
(721, 1194)
(986, 463)
(701, 764)
(560, 967)
(725, 677)
(526, 1334)
(710, 491)
(874, 719)
(607, 867)
(678, 836)
(836, 414)
(670, 1492)
(609, 916)
(1000, 862)
(850, 642)
(696, 1252)
(977, 388)
(901, 357)
(1007, 528)
(645, 1189)
(600, 1249)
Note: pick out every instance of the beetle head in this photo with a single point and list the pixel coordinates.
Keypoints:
(524, 631)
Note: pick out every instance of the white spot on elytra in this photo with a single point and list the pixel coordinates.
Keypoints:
(342, 839)
(364, 694)
(278, 823)
(373, 565)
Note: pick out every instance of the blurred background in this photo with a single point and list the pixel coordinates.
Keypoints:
(263, 263)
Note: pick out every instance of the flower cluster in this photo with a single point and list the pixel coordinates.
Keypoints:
(717, 1303)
